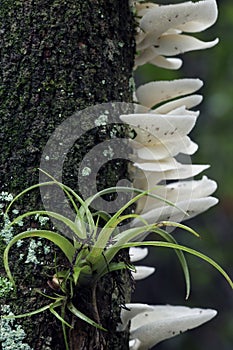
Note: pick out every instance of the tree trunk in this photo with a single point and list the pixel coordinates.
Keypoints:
(58, 57)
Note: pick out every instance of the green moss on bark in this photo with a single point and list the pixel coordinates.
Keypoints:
(54, 58)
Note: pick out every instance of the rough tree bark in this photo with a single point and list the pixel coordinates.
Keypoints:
(57, 57)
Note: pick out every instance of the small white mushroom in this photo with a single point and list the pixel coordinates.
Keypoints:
(149, 55)
(164, 322)
(166, 166)
(188, 102)
(149, 179)
(166, 149)
(196, 188)
(156, 92)
(165, 62)
(183, 171)
(172, 44)
(165, 212)
(182, 111)
(137, 254)
(177, 192)
(160, 30)
(142, 272)
(160, 127)
(158, 166)
(134, 344)
(187, 17)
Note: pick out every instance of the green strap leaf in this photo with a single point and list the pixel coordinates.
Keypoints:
(107, 230)
(131, 190)
(118, 266)
(63, 243)
(48, 183)
(130, 234)
(83, 317)
(185, 249)
(178, 225)
(76, 273)
(57, 216)
(83, 203)
(28, 314)
(56, 314)
(169, 238)
(122, 238)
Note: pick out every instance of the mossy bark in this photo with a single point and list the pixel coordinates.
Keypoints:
(58, 57)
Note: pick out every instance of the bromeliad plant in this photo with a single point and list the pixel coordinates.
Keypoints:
(91, 250)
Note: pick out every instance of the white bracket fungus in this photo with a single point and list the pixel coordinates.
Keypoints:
(157, 323)
(160, 31)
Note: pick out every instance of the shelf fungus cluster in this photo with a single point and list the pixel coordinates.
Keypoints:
(162, 121)
(160, 31)
(164, 115)
(162, 150)
(151, 324)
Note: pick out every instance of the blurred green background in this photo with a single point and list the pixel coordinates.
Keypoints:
(214, 134)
